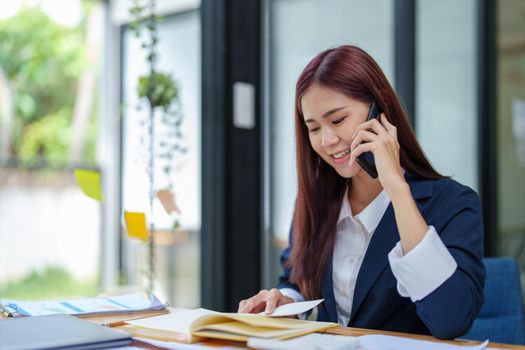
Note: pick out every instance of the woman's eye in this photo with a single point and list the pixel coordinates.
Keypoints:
(338, 121)
(313, 129)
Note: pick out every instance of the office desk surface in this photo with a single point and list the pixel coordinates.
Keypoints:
(356, 332)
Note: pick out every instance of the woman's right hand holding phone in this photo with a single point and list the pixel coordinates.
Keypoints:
(265, 300)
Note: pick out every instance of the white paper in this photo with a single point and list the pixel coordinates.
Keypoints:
(85, 306)
(181, 346)
(314, 341)
(294, 308)
(387, 342)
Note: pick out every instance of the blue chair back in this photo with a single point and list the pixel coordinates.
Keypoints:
(501, 317)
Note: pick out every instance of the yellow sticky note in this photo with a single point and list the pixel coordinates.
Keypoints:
(136, 224)
(89, 182)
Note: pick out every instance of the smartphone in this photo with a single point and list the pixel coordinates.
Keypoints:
(366, 160)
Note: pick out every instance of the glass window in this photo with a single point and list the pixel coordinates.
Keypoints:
(510, 102)
(50, 56)
(177, 251)
(295, 32)
(446, 87)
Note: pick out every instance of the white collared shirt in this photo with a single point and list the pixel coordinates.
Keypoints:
(353, 235)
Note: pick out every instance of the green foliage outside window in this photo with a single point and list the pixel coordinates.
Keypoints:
(42, 61)
(51, 283)
(46, 140)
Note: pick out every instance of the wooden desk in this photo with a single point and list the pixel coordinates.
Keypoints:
(356, 332)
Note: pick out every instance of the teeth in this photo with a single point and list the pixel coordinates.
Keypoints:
(341, 154)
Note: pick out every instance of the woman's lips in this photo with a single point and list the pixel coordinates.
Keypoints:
(343, 159)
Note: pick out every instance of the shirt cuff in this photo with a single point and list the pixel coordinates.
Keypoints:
(423, 269)
(297, 297)
(292, 293)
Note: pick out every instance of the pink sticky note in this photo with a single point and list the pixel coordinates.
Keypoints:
(168, 201)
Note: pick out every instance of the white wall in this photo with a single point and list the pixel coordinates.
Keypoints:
(44, 225)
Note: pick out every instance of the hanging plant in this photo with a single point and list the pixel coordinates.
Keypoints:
(158, 98)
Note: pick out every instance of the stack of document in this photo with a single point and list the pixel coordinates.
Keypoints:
(193, 325)
(87, 307)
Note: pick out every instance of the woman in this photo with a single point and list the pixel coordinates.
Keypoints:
(400, 252)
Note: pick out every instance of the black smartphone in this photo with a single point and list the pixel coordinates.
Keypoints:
(366, 160)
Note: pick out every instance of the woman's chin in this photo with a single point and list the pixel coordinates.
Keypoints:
(348, 171)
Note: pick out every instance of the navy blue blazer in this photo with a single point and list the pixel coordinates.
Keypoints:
(448, 312)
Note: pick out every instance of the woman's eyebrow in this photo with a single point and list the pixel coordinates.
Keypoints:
(326, 114)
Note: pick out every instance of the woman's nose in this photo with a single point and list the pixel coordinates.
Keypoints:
(329, 138)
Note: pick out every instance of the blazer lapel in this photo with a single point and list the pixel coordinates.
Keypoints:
(376, 257)
(384, 239)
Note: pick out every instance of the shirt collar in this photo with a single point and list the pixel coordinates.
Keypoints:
(369, 216)
(372, 214)
(346, 210)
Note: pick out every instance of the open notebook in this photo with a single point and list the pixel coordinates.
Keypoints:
(192, 325)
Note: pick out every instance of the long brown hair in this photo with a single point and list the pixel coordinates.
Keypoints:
(351, 71)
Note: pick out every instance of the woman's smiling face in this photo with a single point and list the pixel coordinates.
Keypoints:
(331, 119)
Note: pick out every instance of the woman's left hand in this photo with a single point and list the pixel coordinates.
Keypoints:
(380, 138)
